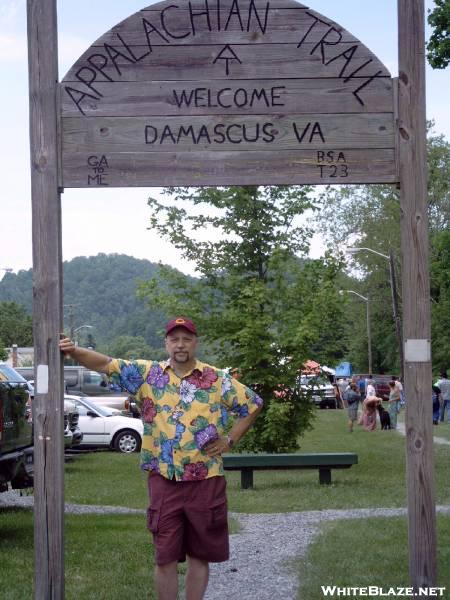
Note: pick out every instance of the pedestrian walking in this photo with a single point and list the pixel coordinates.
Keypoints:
(351, 399)
(184, 405)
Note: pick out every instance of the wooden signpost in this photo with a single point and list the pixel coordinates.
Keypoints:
(227, 92)
(221, 92)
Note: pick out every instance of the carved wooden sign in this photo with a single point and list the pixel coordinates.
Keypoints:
(227, 92)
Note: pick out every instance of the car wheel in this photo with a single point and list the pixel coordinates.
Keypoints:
(127, 441)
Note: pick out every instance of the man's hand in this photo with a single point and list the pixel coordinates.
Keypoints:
(217, 447)
(88, 358)
(66, 345)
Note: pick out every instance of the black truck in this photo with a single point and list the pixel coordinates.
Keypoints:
(16, 431)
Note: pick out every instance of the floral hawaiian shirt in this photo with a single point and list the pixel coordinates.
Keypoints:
(182, 415)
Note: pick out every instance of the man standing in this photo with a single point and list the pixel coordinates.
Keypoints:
(399, 388)
(184, 405)
(444, 385)
(351, 399)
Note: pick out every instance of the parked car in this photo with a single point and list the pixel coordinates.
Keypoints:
(84, 382)
(102, 426)
(16, 431)
(72, 433)
(320, 389)
(71, 425)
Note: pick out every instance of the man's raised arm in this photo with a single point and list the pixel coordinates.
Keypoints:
(88, 358)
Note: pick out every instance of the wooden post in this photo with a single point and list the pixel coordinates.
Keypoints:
(416, 293)
(396, 314)
(48, 413)
(369, 334)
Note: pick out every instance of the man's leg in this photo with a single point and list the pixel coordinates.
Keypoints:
(166, 579)
(196, 578)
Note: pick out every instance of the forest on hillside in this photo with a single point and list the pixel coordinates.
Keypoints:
(99, 291)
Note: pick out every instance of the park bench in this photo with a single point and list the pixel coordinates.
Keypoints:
(323, 461)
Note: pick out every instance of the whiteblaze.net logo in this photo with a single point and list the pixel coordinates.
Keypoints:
(373, 591)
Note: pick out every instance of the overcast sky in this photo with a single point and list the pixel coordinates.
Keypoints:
(115, 220)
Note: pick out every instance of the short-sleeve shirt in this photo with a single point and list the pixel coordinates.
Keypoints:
(181, 415)
(351, 397)
(370, 388)
(444, 386)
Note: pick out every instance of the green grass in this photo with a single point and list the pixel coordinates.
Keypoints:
(442, 430)
(106, 478)
(107, 557)
(366, 552)
(378, 479)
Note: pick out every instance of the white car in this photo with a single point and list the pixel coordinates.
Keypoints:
(319, 388)
(102, 426)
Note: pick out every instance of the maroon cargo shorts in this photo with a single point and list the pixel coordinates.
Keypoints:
(188, 518)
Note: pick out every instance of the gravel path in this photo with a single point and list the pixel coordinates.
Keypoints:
(261, 553)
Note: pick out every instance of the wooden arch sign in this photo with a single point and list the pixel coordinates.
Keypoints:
(221, 92)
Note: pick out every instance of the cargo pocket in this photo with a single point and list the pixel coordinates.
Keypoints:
(218, 515)
(153, 518)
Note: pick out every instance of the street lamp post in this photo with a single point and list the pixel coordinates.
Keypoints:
(394, 296)
(369, 335)
(75, 331)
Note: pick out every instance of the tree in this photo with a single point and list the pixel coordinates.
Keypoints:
(131, 348)
(3, 352)
(439, 43)
(99, 291)
(254, 298)
(16, 325)
(440, 296)
(369, 216)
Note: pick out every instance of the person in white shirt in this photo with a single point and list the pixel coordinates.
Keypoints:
(370, 387)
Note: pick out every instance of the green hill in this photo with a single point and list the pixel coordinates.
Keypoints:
(99, 291)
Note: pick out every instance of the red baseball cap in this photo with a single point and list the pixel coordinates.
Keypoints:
(181, 322)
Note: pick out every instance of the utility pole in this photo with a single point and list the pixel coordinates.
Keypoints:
(394, 296)
(71, 315)
(396, 314)
(369, 334)
(416, 293)
(48, 410)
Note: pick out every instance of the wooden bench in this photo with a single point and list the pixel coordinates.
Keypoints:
(323, 461)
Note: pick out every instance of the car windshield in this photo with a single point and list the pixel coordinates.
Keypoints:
(85, 405)
(7, 373)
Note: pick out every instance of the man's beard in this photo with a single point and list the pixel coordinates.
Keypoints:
(181, 357)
